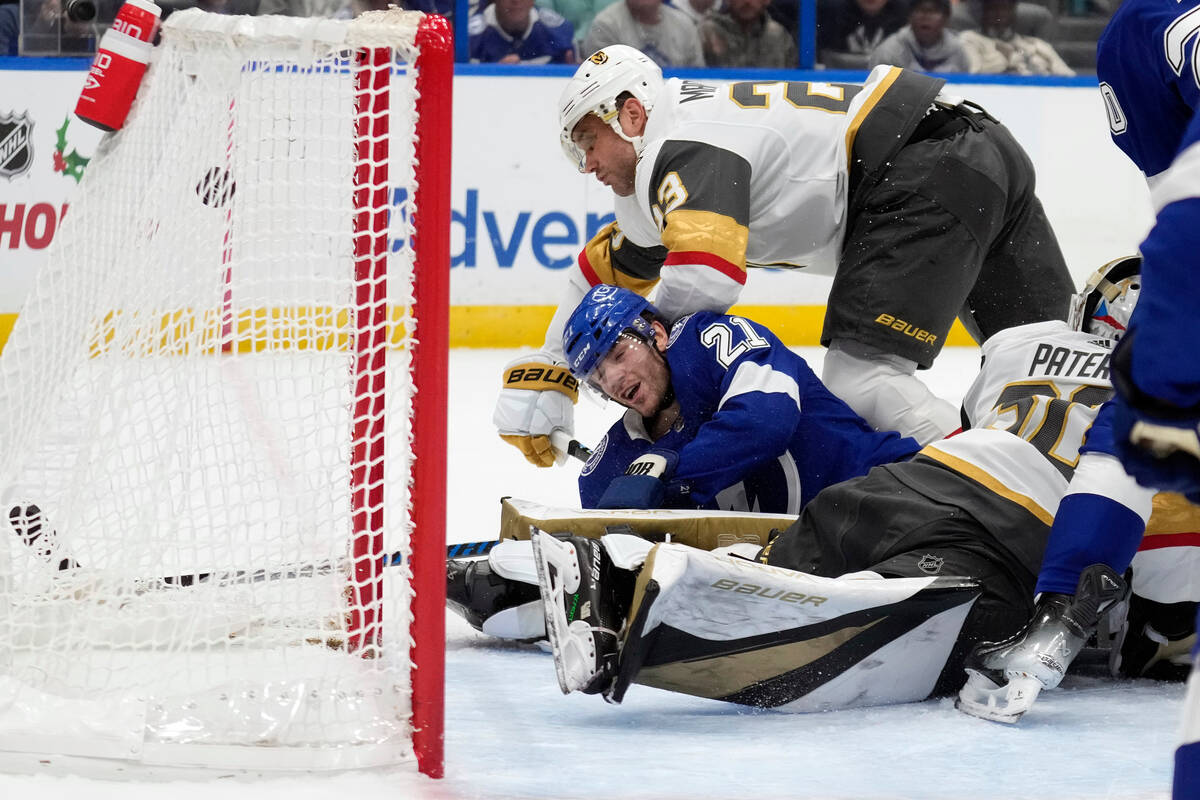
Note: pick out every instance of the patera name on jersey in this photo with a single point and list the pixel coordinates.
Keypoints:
(1054, 361)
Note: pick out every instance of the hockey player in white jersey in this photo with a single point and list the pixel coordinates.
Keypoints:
(920, 205)
(1047, 383)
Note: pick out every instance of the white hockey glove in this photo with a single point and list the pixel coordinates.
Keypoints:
(537, 397)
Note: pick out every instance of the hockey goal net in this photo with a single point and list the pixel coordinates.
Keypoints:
(222, 413)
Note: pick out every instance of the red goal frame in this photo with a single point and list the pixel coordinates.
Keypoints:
(430, 362)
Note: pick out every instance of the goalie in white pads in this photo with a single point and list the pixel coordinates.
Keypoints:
(1045, 382)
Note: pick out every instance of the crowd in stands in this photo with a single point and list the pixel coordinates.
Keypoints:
(979, 36)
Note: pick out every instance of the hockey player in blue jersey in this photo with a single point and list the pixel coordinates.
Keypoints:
(719, 410)
(1151, 86)
(720, 413)
(723, 413)
(1146, 61)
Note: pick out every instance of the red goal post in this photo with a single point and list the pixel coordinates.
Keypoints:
(224, 406)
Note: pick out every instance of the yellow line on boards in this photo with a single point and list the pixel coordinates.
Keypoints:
(525, 326)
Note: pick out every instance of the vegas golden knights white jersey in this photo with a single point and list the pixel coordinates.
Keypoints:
(749, 173)
(744, 174)
(1044, 382)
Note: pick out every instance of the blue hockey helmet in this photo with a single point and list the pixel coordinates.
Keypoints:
(601, 318)
(1108, 298)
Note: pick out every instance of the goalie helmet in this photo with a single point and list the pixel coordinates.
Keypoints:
(601, 78)
(604, 315)
(1104, 306)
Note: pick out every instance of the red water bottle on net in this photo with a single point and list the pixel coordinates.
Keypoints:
(120, 62)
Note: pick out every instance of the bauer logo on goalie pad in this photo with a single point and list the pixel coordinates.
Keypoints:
(16, 145)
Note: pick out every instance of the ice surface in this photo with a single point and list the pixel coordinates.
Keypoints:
(510, 733)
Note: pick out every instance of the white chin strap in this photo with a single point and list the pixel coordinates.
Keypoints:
(638, 142)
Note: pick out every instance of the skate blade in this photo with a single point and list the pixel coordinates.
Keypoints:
(557, 567)
(982, 698)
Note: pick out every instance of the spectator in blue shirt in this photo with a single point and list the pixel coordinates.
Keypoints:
(517, 32)
(10, 28)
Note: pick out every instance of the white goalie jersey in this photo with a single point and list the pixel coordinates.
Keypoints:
(1044, 382)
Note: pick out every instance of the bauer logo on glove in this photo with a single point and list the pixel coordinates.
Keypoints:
(540, 377)
(536, 399)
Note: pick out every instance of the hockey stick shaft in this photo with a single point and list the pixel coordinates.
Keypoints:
(310, 570)
(572, 447)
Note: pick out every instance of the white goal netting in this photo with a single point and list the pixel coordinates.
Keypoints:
(205, 414)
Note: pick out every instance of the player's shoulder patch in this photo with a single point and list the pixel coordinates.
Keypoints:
(677, 329)
(596, 457)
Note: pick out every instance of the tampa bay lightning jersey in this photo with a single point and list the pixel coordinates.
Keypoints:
(1147, 71)
(1150, 81)
(757, 430)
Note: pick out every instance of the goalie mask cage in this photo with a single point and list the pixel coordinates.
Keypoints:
(222, 412)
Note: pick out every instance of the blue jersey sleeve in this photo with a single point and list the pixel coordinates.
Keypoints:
(747, 386)
(609, 458)
(1150, 81)
(754, 420)
(1145, 63)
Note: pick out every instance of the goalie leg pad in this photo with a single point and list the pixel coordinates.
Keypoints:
(581, 598)
(722, 627)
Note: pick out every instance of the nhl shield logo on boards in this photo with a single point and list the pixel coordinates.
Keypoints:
(931, 563)
(16, 145)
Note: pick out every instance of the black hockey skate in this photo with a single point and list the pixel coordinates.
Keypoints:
(29, 524)
(584, 615)
(478, 594)
(1005, 678)
(1153, 640)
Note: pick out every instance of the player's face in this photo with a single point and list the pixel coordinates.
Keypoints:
(609, 157)
(634, 374)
